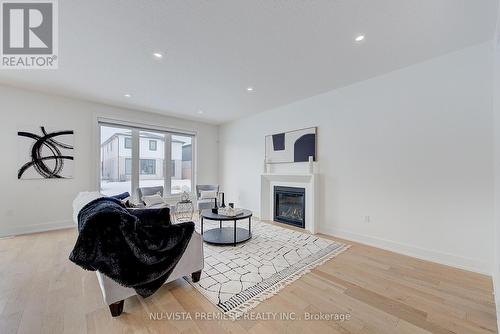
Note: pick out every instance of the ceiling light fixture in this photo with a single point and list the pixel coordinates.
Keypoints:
(250, 89)
(359, 38)
(200, 112)
(127, 96)
(158, 55)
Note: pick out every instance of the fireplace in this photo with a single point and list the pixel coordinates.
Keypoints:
(289, 205)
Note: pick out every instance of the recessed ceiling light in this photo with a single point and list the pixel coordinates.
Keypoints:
(200, 112)
(127, 96)
(250, 89)
(359, 38)
(158, 55)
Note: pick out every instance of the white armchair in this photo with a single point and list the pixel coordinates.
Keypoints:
(114, 294)
(190, 264)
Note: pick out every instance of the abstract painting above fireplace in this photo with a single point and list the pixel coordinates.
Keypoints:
(289, 205)
(292, 146)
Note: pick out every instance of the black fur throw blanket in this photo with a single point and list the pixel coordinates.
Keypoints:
(136, 248)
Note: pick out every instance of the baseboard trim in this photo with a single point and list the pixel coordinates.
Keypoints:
(496, 294)
(36, 228)
(464, 263)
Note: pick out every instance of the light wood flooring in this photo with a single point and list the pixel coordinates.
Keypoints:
(42, 292)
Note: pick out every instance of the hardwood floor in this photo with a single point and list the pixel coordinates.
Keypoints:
(383, 292)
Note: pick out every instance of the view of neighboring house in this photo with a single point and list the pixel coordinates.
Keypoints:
(116, 157)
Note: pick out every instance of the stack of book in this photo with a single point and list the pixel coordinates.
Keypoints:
(230, 212)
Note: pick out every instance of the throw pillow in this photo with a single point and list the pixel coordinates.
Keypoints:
(208, 194)
(152, 200)
(134, 204)
(121, 196)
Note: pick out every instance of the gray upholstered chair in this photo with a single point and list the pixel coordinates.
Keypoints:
(148, 191)
(205, 203)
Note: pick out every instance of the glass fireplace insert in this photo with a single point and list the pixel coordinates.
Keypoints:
(289, 205)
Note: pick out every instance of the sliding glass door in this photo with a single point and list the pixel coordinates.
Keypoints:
(133, 157)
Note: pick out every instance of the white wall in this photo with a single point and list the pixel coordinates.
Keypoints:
(412, 149)
(36, 205)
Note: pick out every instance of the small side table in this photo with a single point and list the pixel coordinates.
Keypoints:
(184, 211)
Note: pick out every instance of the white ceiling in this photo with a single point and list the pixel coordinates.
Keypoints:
(214, 50)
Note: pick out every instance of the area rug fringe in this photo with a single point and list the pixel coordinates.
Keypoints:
(240, 310)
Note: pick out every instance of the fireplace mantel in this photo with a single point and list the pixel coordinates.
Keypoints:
(307, 181)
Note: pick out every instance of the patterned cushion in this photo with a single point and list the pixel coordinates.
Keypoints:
(207, 194)
(152, 200)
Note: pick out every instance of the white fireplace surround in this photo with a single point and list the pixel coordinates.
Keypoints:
(306, 181)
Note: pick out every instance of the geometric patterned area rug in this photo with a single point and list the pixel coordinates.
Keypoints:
(237, 279)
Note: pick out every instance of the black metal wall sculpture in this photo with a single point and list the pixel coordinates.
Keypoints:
(46, 148)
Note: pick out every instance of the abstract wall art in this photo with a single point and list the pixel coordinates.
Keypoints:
(293, 146)
(45, 153)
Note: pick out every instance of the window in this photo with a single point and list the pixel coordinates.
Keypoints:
(182, 164)
(116, 165)
(128, 166)
(147, 166)
(151, 161)
(152, 145)
(152, 158)
(128, 142)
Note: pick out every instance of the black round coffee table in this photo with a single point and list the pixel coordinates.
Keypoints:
(226, 235)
